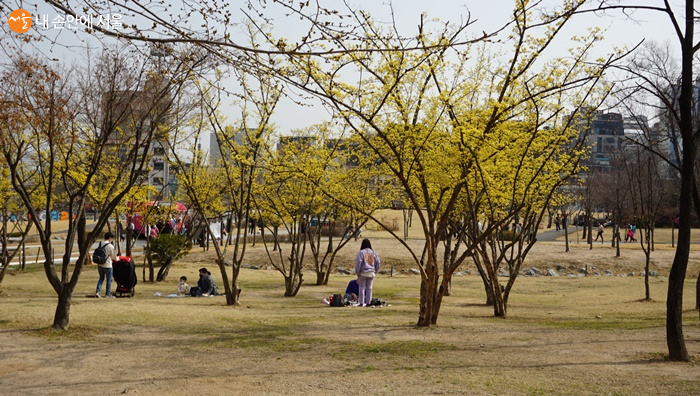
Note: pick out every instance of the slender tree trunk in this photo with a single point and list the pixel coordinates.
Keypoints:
(276, 242)
(232, 288)
(151, 271)
(647, 293)
(118, 233)
(677, 350)
(697, 293)
(673, 233)
(499, 304)
(164, 269)
(129, 238)
(589, 227)
(674, 303)
(3, 270)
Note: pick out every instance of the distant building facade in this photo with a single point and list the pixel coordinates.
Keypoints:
(605, 136)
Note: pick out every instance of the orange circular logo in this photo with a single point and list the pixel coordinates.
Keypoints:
(20, 20)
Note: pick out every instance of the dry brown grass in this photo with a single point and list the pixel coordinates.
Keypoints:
(564, 335)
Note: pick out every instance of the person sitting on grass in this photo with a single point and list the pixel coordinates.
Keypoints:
(183, 288)
(352, 291)
(206, 283)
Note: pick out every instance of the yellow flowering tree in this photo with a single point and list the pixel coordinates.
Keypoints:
(70, 130)
(471, 133)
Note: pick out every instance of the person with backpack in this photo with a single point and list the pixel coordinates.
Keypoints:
(366, 267)
(103, 257)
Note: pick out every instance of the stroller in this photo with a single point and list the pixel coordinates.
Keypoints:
(124, 272)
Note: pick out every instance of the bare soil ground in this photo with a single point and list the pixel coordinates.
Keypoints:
(563, 335)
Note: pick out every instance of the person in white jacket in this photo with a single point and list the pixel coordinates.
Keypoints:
(366, 268)
(105, 269)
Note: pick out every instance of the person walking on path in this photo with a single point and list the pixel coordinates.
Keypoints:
(601, 229)
(366, 268)
(105, 269)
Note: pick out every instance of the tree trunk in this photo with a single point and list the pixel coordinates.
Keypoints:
(430, 298)
(235, 297)
(61, 317)
(697, 293)
(292, 283)
(674, 303)
(673, 234)
(129, 240)
(499, 305)
(589, 227)
(646, 276)
(3, 270)
(151, 271)
(490, 299)
(320, 277)
(230, 289)
(163, 271)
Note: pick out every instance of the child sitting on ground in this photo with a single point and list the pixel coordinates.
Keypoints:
(183, 288)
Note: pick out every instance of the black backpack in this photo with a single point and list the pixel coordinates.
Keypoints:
(99, 256)
(337, 300)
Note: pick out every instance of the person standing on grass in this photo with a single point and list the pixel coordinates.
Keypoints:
(366, 267)
(105, 269)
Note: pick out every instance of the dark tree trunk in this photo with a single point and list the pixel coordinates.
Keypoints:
(129, 240)
(163, 271)
(489, 296)
(61, 317)
(3, 270)
(647, 292)
(320, 278)
(292, 283)
(674, 303)
(589, 227)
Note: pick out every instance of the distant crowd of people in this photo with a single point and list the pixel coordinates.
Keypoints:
(174, 225)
